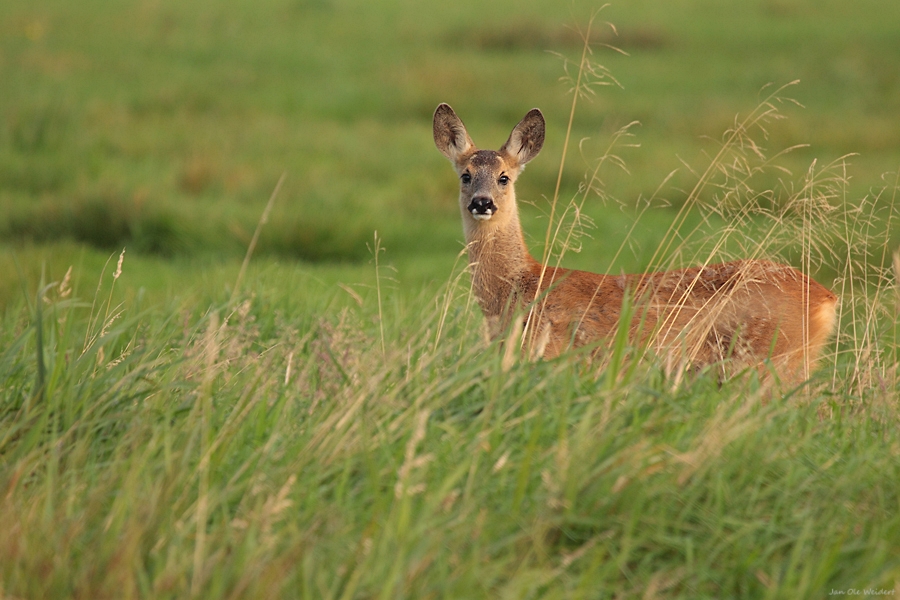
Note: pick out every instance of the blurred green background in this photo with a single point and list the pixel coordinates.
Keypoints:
(163, 126)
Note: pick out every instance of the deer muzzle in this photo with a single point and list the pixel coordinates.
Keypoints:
(482, 207)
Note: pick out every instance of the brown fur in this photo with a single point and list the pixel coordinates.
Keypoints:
(745, 311)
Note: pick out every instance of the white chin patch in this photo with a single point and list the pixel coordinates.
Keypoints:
(481, 216)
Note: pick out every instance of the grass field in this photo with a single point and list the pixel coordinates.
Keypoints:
(331, 422)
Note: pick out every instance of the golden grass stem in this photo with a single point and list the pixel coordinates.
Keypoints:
(263, 219)
(585, 49)
(378, 249)
(211, 350)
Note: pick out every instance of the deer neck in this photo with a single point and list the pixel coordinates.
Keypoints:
(498, 259)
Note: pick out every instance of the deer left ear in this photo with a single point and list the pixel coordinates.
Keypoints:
(450, 134)
(526, 139)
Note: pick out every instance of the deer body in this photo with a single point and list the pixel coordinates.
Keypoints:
(746, 311)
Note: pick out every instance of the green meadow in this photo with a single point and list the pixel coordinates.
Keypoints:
(239, 356)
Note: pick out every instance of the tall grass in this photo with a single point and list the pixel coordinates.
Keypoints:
(214, 456)
(384, 451)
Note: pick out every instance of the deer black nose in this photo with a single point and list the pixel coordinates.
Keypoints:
(482, 205)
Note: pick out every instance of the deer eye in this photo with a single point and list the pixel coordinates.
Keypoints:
(503, 180)
(466, 178)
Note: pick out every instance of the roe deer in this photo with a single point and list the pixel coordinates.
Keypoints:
(745, 311)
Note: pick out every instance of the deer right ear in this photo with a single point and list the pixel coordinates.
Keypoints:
(527, 138)
(450, 134)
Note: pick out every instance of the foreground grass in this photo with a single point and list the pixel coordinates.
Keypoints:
(249, 451)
